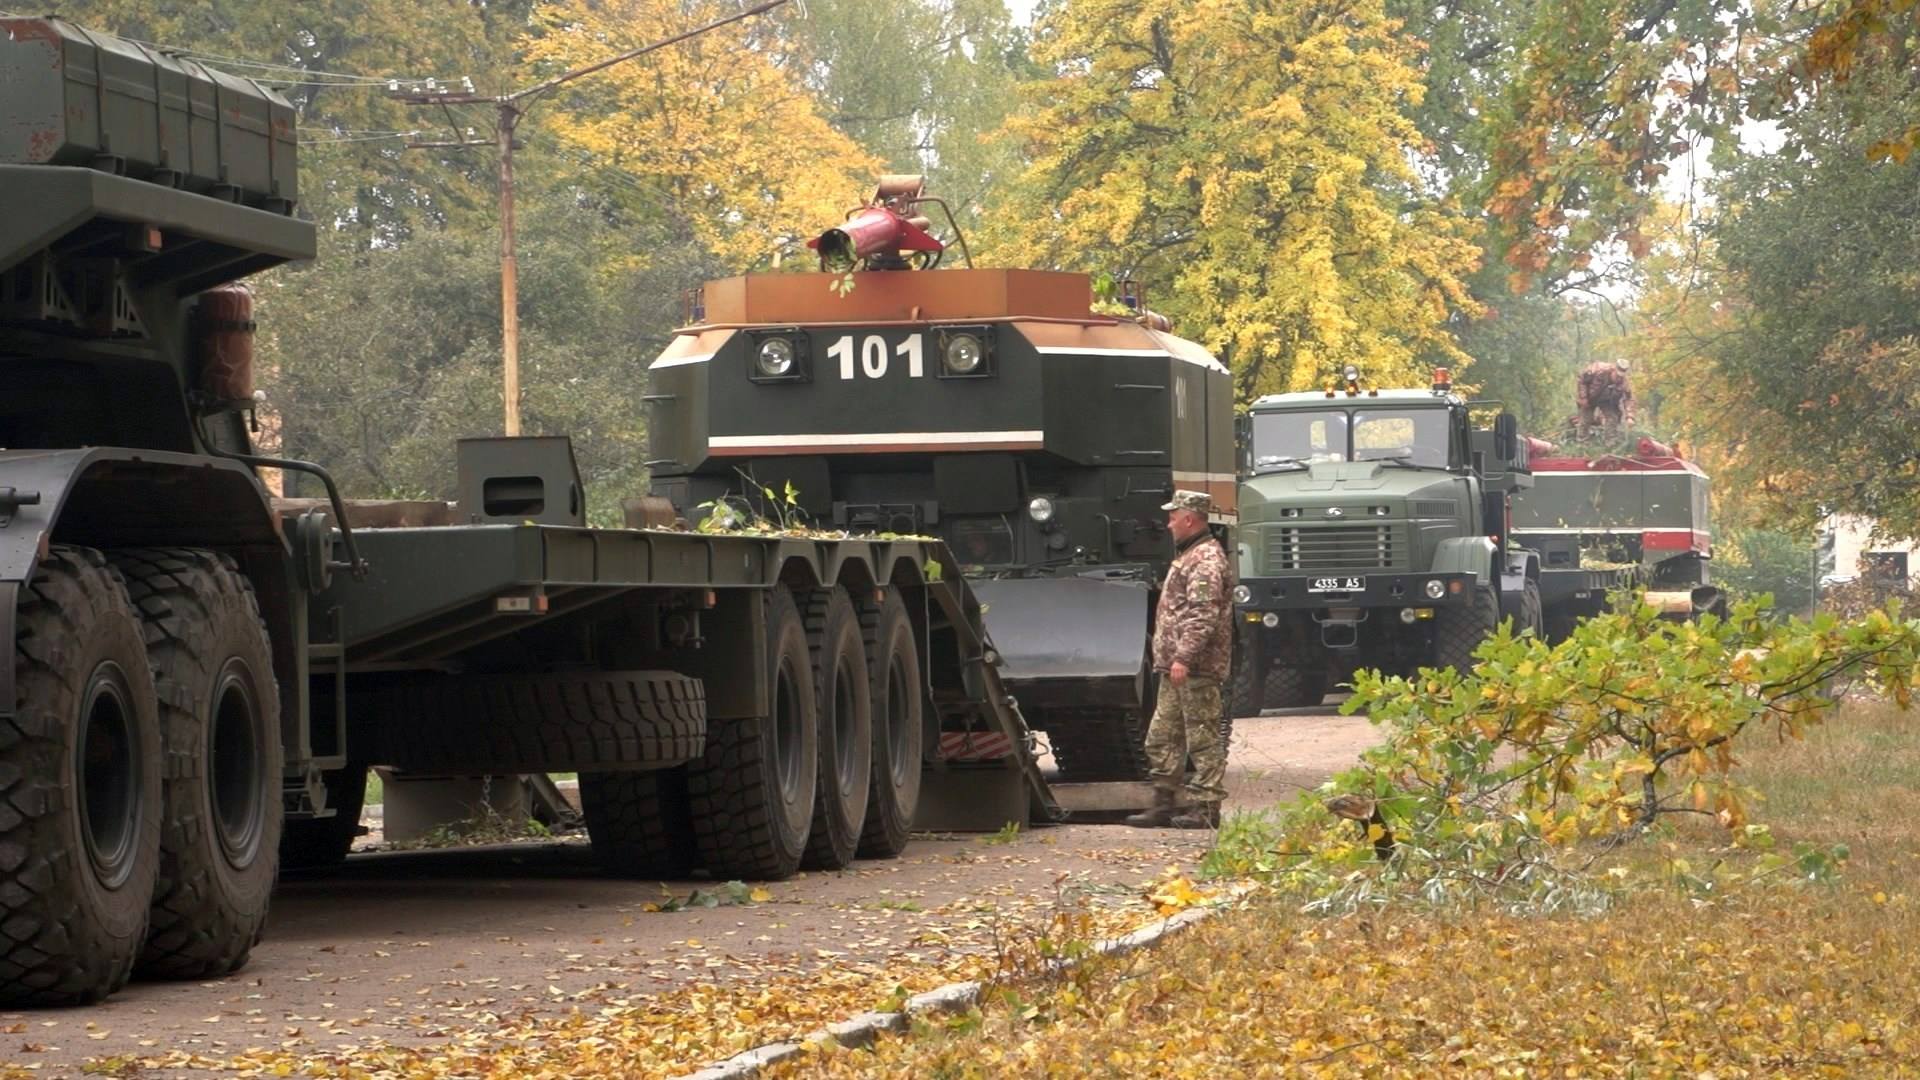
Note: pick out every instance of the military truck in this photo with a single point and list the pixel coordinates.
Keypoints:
(1373, 533)
(1631, 514)
(198, 676)
(991, 408)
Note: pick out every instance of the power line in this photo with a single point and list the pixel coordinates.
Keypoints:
(509, 110)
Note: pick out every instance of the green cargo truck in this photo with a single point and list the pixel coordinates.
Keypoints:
(1380, 529)
(199, 674)
(1373, 533)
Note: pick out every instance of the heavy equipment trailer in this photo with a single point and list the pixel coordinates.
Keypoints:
(198, 676)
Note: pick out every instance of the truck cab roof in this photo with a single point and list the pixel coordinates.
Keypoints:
(1321, 398)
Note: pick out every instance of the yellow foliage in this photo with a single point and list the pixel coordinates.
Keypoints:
(1253, 163)
(727, 134)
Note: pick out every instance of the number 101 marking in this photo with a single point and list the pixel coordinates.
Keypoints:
(873, 355)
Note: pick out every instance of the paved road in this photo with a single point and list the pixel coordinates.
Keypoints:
(404, 945)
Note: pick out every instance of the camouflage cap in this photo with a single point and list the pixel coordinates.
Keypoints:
(1197, 501)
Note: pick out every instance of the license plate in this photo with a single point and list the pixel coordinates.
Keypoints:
(1338, 584)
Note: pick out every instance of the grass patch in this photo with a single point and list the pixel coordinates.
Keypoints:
(1782, 977)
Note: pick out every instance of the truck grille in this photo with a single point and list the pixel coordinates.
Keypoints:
(1335, 547)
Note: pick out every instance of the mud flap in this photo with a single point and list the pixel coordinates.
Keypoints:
(1070, 643)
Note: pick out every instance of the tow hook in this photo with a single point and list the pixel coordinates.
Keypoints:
(11, 500)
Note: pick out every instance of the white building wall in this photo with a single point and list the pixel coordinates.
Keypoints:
(1852, 540)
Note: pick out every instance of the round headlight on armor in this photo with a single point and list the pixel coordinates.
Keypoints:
(1242, 594)
(775, 358)
(1040, 510)
(1436, 589)
(964, 354)
(1270, 620)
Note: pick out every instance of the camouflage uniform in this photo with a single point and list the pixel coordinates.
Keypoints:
(1604, 396)
(1193, 625)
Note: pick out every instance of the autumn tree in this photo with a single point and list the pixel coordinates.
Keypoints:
(1252, 161)
(721, 131)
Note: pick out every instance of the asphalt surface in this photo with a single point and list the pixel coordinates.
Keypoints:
(405, 946)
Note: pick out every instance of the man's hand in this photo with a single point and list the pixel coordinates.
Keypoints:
(1178, 673)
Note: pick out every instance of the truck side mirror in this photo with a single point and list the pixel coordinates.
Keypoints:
(1243, 442)
(1506, 437)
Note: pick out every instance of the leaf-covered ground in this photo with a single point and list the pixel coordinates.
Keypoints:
(1688, 977)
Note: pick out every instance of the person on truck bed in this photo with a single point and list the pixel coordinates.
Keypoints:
(1192, 649)
(1605, 397)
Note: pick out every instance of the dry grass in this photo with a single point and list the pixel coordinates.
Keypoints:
(1775, 979)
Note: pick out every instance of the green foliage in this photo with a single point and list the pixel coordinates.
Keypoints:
(1750, 562)
(1008, 833)
(1817, 342)
(375, 361)
(921, 87)
(726, 894)
(1506, 784)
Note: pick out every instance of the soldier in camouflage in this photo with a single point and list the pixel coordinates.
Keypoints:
(1192, 647)
(1605, 398)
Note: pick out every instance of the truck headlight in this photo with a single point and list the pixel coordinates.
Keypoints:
(1040, 510)
(1270, 620)
(1242, 594)
(1436, 589)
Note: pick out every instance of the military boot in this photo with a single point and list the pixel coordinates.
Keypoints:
(1204, 815)
(1159, 816)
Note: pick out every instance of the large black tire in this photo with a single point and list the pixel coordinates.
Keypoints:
(1089, 746)
(1459, 629)
(842, 684)
(1247, 681)
(639, 822)
(1535, 616)
(319, 843)
(220, 721)
(80, 778)
(897, 694)
(1559, 628)
(751, 792)
(565, 722)
(1289, 687)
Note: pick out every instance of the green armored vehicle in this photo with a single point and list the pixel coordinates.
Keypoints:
(1373, 533)
(989, 407)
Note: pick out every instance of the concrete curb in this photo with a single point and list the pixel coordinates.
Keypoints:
(864, 1030)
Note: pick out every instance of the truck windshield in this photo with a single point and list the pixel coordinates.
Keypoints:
(1414, 436)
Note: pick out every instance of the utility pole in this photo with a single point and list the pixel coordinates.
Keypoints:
(509, 110)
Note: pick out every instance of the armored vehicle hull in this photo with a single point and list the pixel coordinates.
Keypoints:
(988, 408)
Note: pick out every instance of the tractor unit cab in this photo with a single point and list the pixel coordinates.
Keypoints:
(1374, 533)
(991, 408)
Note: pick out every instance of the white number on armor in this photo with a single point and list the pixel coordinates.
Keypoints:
(872, 351)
